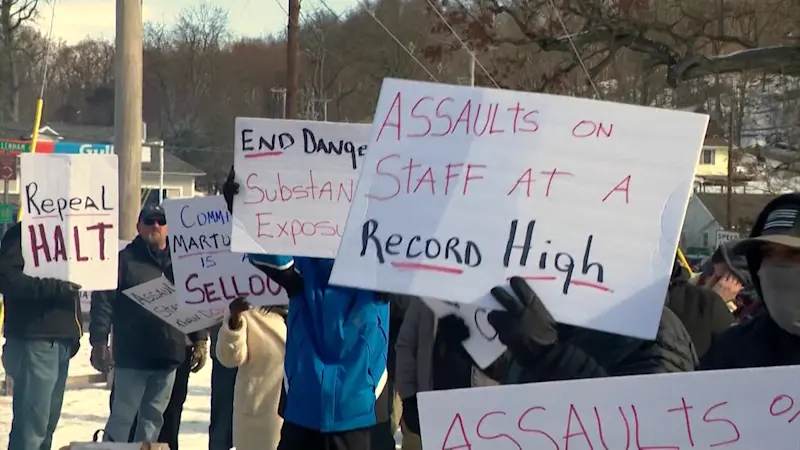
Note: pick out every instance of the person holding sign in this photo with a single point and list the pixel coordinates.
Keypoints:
(147, 350)
(545, 351)
(254, 341)
(42, 330)
(336, 354)
(772, 336)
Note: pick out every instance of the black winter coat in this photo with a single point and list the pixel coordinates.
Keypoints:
(583, 353)
(141, 339)
(35, 307)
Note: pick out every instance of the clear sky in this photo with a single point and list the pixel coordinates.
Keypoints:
(77, 19)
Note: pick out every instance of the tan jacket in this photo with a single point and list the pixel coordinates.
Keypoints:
(414, 352)
(257, 349)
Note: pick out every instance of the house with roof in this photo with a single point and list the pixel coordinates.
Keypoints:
(707, 214)
(179, 177)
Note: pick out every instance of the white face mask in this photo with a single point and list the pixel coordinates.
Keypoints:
(780, 288)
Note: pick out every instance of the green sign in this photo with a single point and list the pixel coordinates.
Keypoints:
(7, 213)
(11, 146)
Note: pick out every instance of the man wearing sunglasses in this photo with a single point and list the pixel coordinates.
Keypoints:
(147, 351)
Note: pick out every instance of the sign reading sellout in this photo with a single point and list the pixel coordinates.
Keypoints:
(70, 218)
(297, 182)
(690, 410)
(463, 188)
(207, 273)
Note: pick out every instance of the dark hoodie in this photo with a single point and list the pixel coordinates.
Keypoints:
(758, 342)
(702, 311)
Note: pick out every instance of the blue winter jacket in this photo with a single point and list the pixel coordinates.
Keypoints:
(337, 341)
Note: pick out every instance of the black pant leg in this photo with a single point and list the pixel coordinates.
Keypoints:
(172, 415)
(220, 430)
(295, 437)
(360, 439)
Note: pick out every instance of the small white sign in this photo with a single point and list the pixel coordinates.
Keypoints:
(465, 187)
(483, 345)
(159, 297)
(724, 236)
(744, 409)
(207, 274)
(70, 218)
(297, 181)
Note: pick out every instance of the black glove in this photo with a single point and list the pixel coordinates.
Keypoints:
(199, 357)
(101, 359)
(453, 330)
(68, 291)
(410, 416)
(230, 189)
(525, 327)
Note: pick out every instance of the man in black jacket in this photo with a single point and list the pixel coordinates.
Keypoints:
(146, 350)
(42, 331)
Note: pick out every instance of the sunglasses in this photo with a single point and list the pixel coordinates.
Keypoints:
(155, 220)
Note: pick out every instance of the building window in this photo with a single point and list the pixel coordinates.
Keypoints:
(705, 239)
(707, 156)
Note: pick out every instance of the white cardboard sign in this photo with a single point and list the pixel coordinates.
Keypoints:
(483, 345)
(731, 409)
(207, 273)
(70, 218)
(465, 187)
(159, 297)
(297, 179)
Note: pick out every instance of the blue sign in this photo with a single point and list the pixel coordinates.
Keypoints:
(76, 148)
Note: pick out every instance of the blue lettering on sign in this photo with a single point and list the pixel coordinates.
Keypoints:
(76, 148)
(204, 217)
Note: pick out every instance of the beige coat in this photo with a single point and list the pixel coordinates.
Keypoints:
(257, 349)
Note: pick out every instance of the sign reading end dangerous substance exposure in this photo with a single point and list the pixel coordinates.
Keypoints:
(463, 188)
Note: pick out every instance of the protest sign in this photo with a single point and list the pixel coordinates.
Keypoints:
(206, 272)
(86, 296)
(702, 410)
(70, 219)
(297, 182)
(159, 297)
(483, 345)
(465, 187)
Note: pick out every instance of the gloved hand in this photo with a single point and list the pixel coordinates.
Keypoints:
(453, 329)
(199, 356)
(238, 306)
(410, 416)
(230, 189)
(526, 326)
(101, 358)
(68, 291)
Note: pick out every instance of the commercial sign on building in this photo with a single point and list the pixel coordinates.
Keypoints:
(77, 148)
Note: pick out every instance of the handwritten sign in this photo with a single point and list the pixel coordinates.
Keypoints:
(483, 345)
(206, 271)
(297, 182)
(70, 218)
(463, 188)
(159, 297)
(701, 410)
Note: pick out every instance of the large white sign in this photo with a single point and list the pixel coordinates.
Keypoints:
(464, 187)
(207, 273)
(70, 218)
(159, 297)
(745, 409)
(297, 182)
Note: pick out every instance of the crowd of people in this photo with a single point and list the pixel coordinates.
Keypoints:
(323, 372)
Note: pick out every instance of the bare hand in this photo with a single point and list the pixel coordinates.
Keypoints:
(727, 287)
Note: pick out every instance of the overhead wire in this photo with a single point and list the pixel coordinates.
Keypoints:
(47, 45)
(575, 49)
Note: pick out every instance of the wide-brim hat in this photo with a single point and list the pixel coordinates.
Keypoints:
(782, 227)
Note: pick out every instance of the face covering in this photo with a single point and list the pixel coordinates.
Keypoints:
(780, 288)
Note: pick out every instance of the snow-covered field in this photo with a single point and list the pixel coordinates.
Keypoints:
(86, 410)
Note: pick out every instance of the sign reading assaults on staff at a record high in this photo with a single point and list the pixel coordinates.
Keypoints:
(70, 218)
(297, 181)
(206, 271)
(465, 187)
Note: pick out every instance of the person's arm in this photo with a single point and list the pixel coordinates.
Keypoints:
(232, 343)
(199, 337)
(101, 316)
(15, 285)
(280, 269)
(559, 362)
(406, 351)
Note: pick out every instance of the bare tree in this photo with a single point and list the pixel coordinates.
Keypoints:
(13, 15)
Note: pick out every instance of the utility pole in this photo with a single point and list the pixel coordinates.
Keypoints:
(292, 58)
(128, 113)
(280, 93)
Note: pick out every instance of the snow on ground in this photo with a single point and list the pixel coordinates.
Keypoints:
(86, 409)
